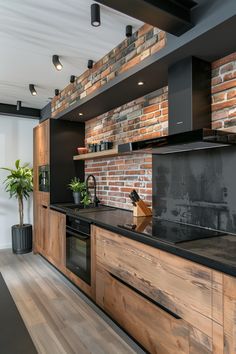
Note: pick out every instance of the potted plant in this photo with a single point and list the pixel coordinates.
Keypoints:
(19, 184)
(78, 188)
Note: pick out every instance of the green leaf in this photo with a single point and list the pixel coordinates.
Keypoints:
(17, 163)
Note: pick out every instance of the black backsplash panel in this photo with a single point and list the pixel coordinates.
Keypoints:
(197, 187)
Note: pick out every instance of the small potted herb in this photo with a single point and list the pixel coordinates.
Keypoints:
(78, 188)
(19, 184)
(86, 201)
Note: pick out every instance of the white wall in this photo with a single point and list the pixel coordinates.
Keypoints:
(16, 142)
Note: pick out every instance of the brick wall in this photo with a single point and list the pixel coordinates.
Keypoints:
(143, 118)
(143, 43)
(147, 117)
(224, 93)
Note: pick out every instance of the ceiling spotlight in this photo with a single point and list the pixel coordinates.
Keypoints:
(81, 114)
(90, 64)
(56, 62)
(95, 15)
(72, 79)
(32, 90)
(129, 31)
(140, 83)
(18, 105)
(57, 92)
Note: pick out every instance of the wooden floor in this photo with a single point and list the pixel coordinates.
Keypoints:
(58, 319)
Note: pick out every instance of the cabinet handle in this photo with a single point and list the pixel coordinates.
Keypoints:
(44, 207)
(163, 308)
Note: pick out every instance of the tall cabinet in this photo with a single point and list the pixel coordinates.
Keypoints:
(55, 143)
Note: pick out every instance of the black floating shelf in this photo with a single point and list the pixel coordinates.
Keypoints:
(209, 40)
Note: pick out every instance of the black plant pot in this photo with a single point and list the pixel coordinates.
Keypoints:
(21, 238)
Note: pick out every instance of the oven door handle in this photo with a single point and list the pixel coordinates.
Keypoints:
(77, 235)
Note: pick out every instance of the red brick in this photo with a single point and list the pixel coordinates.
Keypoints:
(229, 76)
(231, 94)
(222, 105)
(217, 125)
(224, 86)
(150, 109)
(144, 29)
(219, 97)
(224, 60)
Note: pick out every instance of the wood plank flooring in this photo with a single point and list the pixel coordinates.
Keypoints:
(59, 319)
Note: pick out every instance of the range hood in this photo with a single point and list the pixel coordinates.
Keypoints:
(194, 140)
(189, 100)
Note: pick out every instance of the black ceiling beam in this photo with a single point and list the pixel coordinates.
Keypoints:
(173, 16)
(24, 112)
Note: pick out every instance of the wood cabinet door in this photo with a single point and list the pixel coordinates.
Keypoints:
(56, 242)
(43, 143)
(41, 204)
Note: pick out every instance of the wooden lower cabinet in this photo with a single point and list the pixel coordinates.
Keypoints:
(155, 329)
(41, 222)
(56, 242)
(182, 286)
(49, 230)
(133, 280)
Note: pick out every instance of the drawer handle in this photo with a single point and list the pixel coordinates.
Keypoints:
(44, 207)
(169, 312)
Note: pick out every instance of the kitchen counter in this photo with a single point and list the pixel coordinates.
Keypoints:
(218, 253)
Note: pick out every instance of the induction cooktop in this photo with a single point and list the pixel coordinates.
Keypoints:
(171, 232)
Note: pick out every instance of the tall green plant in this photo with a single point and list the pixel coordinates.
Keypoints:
(19, 184)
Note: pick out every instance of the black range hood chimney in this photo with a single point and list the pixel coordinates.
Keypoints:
(189, 100)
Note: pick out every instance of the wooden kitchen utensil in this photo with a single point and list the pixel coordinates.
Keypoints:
(140, 207)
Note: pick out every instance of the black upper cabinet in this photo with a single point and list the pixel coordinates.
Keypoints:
(65, 137)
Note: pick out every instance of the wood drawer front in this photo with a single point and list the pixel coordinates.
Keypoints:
(180, 285)
(156, 330)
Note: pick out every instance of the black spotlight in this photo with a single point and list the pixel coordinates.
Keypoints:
(129, 31)
(56, 62)
(32, 90)
(57, 92)
(90, 64)
(72, 79)
(95, 15)
(18, 105)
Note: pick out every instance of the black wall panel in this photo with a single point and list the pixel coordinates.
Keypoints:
(197, 187)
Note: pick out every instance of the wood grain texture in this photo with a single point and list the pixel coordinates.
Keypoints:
(182, 286)
(229, 314)
(218, 339)
(43, 143)
(97, 155)
(56, 242)
(57, 318)
(155, 329)
(41, 221)
(217, 297)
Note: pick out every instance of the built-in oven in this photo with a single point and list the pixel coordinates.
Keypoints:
(78, 248)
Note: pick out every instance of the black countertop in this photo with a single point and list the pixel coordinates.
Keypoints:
(218, 252)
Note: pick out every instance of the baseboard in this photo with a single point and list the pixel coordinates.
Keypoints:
(4, 246)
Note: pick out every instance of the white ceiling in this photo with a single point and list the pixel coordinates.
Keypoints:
(32, 31)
